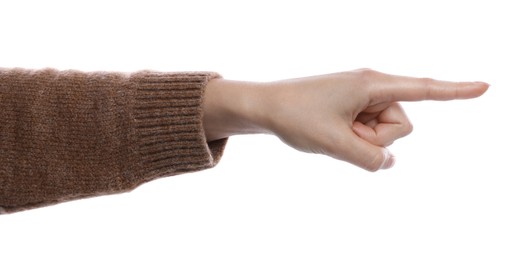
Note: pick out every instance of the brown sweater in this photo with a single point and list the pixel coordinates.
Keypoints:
(67, 135)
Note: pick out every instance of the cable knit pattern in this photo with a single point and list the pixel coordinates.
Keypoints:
(68, 134)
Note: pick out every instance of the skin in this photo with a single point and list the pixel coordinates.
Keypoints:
(351, 116)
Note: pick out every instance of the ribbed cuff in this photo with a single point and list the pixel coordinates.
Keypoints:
(168, 124)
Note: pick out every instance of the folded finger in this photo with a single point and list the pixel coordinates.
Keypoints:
(392, 124)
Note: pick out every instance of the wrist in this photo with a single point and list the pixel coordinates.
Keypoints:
(233, 108)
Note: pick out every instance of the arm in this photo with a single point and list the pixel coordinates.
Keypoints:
(66, 134)
(351, 116)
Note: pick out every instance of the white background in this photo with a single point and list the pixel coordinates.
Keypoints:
(453, 193)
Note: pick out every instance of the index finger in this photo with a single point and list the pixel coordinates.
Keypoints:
(400, 88)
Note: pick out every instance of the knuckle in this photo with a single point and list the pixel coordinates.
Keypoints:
(367, 72)
(427, 82)
(407, 128)
(364, 69)
(366, 77)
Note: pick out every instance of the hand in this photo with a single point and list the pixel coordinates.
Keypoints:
(351, 116)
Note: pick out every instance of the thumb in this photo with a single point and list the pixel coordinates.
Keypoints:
(366, 155)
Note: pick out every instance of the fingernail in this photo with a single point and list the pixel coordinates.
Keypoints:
(482, 82)
(389, 159)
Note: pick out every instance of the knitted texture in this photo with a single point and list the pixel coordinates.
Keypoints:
(67, 135)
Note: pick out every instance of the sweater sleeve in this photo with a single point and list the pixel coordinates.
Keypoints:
(67, 135)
